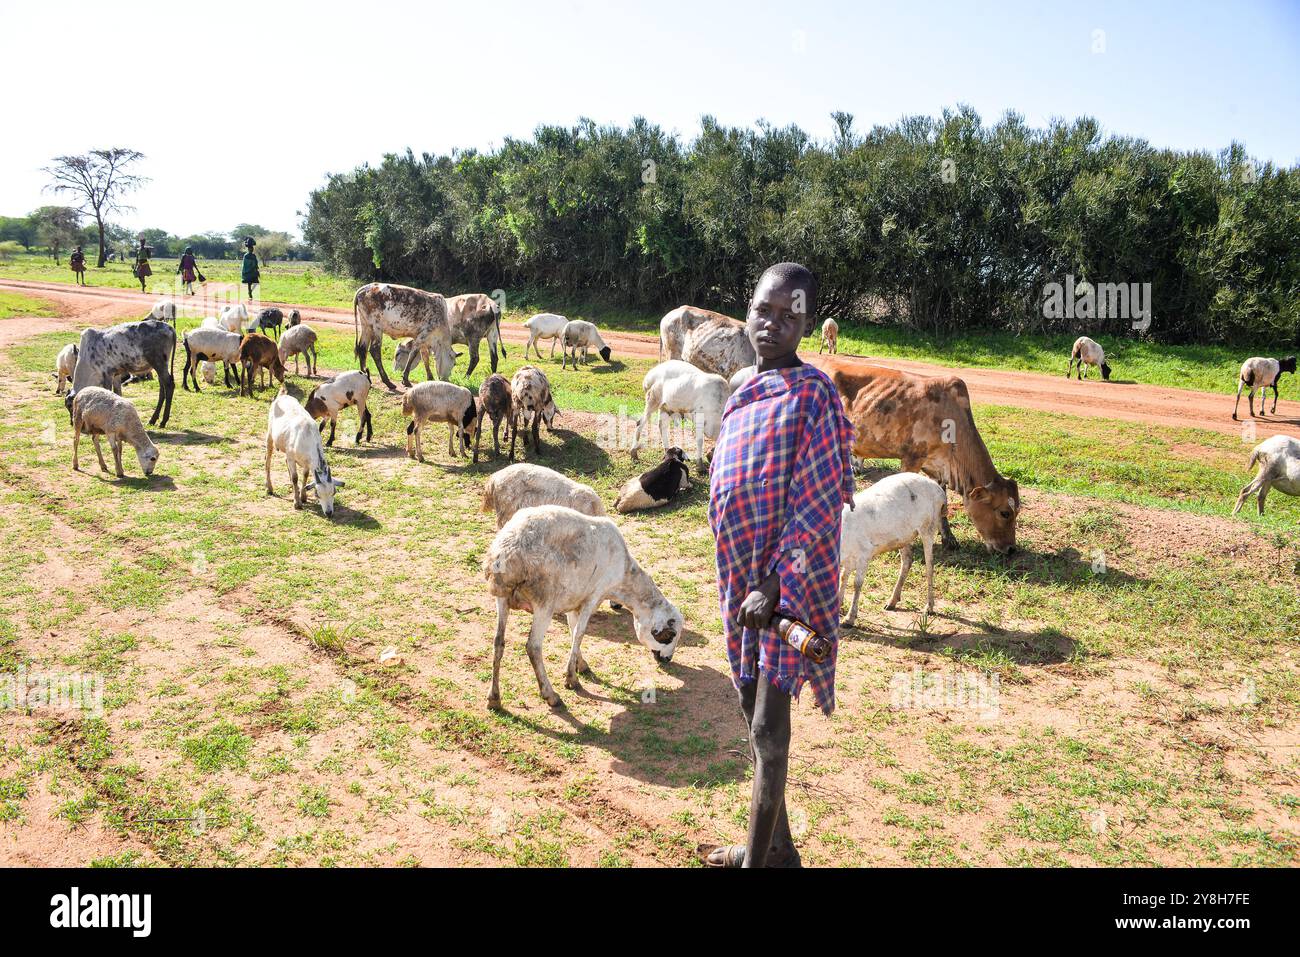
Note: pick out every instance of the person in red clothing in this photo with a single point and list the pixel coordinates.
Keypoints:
(188, 268)
(780, 478)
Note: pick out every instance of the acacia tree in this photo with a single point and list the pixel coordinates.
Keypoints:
(58, 227)
(100, 179)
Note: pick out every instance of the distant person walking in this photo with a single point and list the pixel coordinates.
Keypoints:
(249, 274)
(188, 267)
(142, 270)
(78, 263)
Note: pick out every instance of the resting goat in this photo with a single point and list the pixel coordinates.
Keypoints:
(551, 559)
(658, 486)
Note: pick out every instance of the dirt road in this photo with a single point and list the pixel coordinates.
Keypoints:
(1127, 401)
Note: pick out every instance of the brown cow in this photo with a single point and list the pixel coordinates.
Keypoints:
(926, 423)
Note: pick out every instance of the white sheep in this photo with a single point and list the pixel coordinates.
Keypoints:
(1086, 351)
(891, 515)
(544, 325)
(1262, 374)
(209, 372)
(290, 430)
(164, 310)
(97, 411)
(676, 387)
(65, 364)
(550, 559)
(1278, 459)
(580, 334)
(524, 485)
(330, 398)
(299, 339)
(439, 401)
(830, 340)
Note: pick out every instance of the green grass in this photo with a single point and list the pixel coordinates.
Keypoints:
(244, 691)
(16, 304)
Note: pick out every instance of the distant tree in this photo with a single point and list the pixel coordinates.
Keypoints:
(59, 227)
(18, 229)
(99, 179)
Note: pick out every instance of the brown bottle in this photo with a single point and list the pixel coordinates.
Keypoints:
(802, 638)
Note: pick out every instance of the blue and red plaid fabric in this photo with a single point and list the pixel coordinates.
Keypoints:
(781, 476)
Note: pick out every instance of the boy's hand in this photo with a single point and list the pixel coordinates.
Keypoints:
(757, 608)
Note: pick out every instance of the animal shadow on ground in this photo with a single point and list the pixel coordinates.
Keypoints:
(656, 736)
(606, 368)
(1041, 646)
(151, 483)
(189, 437)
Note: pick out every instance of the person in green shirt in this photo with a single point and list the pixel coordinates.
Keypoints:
(249, 274)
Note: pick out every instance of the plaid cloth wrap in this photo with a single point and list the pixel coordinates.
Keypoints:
(781, 476)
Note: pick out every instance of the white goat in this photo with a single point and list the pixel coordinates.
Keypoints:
(1087, 352)
(580, 334)
(206, 344)
(524, 485)
(891, 515)
(439, 401)
(544, 325)
(97, 412)
(830, 340)
(234, 318)
(289, 429)
(1262, 374)
(299, 339)
(1279, 467)
(64, 365)
(551, 559)
(676, 387)
(330, 398)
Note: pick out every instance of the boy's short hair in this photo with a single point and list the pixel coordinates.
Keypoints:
(796, 274)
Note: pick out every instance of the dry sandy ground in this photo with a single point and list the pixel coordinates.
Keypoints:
(1129, 402)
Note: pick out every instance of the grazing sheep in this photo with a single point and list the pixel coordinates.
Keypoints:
(210, 345)
(891, 515)
(1087, 352)
(659, 486)
(676, 387)
(1278, 459)
(1260, 373)
(495, 403)
(550, 559)
(524, 485)
(741, 377)
(544, 325)
(530, 405)
(108, 357)
(256, 351)
(830, 340)
(330, 398)
(234, 317)
(289, 429)
(164, 310)
(209, 371)
(439, 402)
(97, 411)
(580, 334)
(299, 339)
(64, 366)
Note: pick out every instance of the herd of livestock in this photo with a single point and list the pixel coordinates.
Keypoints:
(555, 550)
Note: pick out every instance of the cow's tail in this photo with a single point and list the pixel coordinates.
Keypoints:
(358, 349)
(501, 342)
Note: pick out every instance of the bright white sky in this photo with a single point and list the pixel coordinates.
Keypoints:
(241, 109)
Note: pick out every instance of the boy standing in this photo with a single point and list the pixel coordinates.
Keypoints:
(249, 274)
(78, 262)
(781, 476)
